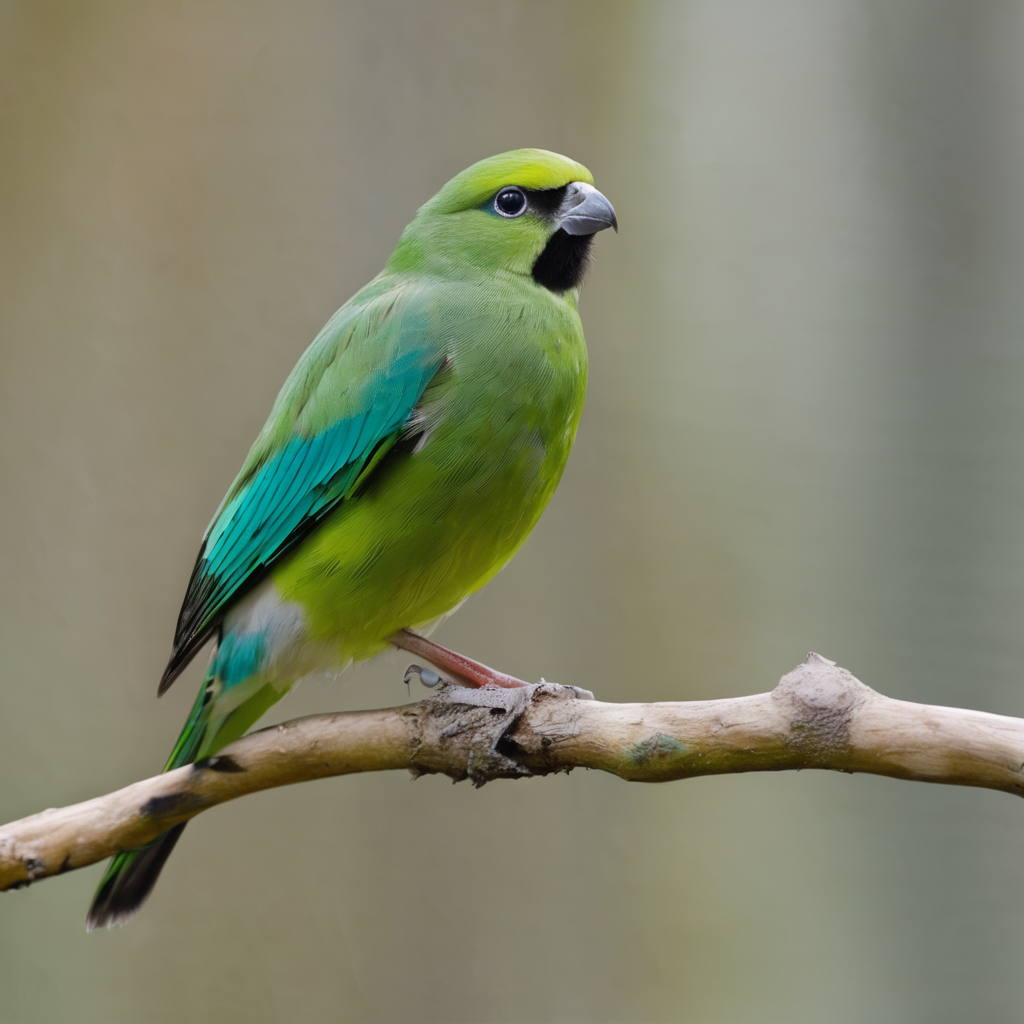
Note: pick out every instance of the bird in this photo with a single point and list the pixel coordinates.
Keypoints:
(405, 460)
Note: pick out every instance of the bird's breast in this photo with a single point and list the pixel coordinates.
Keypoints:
(440, 516)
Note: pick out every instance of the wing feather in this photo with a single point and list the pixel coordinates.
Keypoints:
(347, 401)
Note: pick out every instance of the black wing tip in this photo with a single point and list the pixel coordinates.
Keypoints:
(190, 633)
(124, 893)
(173, 670)
(185, 649)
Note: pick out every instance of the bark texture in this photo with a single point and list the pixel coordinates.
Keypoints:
(819, 716)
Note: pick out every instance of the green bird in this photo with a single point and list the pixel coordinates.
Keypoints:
(407, 457)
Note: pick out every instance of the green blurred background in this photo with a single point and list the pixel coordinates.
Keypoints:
(804, 430)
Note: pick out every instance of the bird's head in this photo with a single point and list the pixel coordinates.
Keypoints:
(528, 212)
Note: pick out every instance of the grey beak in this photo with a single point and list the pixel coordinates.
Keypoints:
(585, 211)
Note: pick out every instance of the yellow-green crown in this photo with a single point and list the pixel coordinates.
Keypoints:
(528, 168)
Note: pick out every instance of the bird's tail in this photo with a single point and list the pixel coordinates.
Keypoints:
(129, 881)
(131, 875)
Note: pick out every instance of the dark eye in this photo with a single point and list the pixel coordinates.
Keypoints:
(510, 202)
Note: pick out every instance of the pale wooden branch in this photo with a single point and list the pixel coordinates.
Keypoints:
(818, 716)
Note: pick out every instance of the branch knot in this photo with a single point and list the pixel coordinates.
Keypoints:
(820, 699)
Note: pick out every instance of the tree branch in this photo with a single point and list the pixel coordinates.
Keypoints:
(818, 716)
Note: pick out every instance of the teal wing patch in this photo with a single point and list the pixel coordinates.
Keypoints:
(277, 502)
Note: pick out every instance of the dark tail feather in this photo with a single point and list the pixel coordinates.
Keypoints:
(129, 881)
(132, 874)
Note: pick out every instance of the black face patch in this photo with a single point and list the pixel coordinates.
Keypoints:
(563, 263)
(545, 202)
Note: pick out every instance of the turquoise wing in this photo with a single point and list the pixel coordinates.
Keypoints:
(345, 404)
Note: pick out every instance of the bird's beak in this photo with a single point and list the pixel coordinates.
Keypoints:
(585, 211)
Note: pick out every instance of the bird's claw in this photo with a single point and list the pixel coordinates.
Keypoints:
(426, 676)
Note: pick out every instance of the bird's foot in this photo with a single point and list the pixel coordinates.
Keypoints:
(425, 676)
(464, 671)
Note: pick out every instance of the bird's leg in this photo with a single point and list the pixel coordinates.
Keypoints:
(465, 670)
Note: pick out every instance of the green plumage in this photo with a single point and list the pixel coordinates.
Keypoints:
(408, 456)
(429, 530)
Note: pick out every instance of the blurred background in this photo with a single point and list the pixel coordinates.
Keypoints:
(804, 430)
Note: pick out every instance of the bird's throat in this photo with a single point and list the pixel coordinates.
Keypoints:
(563, 263)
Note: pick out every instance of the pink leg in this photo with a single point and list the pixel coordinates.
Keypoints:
(466, 671)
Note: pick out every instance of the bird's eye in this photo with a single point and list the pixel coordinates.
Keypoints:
(510, 202)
